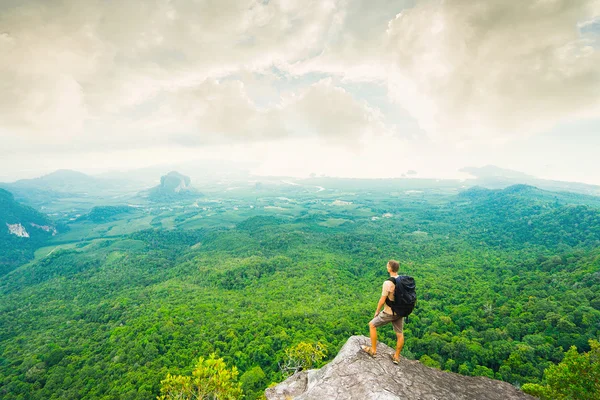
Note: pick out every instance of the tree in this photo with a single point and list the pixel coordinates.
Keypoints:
(253, 382)
(430, 362)
(576, 377)
(302, 356)
(210, 380)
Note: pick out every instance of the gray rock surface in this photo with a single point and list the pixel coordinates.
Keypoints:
(354, 375)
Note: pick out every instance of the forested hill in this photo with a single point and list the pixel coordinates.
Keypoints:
(22, 230)
(523, 216)
(507, 282)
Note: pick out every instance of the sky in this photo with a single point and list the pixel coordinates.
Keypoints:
(368, 89)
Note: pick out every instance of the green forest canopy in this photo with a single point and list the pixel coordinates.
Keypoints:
(507, 282)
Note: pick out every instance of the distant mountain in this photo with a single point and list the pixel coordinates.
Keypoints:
(172, 186)
(52, 188)
(68, 181)
(22, 230)
(495, 177)
(174, 182)
(44, 190)
(62, 180)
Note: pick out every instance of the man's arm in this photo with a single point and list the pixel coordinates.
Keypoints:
(380, 304)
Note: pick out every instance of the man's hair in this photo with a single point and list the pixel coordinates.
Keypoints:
(394, 265)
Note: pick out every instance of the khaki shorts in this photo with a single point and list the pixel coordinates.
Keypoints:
(383, 318)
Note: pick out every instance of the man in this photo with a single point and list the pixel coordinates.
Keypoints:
(387, 316)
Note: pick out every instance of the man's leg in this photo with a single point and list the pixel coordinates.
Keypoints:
(399, 344)
(373, 334)
(399, 329)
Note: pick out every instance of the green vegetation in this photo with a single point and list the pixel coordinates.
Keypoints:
(101, 214)
(577, 377)
(31, 230)
(302, 356)
(210, 380)
(508, 280)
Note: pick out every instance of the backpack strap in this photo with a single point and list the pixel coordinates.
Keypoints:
(388, 301)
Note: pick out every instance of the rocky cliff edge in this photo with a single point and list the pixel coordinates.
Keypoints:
(354, 375)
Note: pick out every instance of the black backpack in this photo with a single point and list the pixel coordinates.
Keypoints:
(405, 296)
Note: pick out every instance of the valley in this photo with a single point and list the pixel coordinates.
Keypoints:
(131, 289)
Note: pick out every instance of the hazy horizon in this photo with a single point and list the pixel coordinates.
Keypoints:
(337, 88)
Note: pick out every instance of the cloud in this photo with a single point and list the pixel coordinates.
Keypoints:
(214, 112)
(220, 111)
(66, 63)
(126, 74)
(354, 45)
(493, 69)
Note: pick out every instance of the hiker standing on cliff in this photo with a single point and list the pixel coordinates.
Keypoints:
(394, 310)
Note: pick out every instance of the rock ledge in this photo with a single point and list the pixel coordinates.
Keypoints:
(354, 375)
